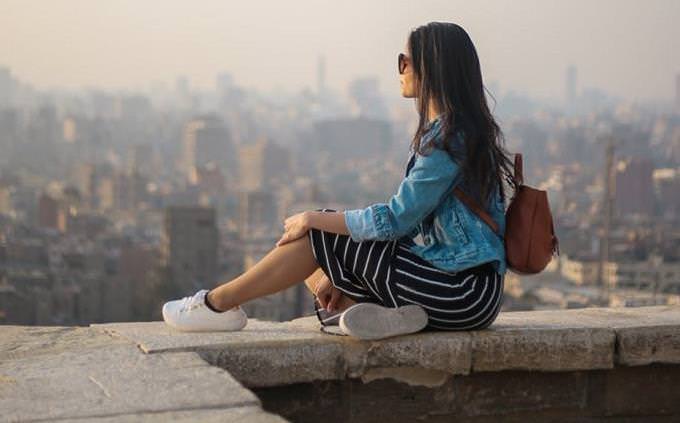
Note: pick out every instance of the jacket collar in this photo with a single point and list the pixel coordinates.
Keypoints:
(433, 122)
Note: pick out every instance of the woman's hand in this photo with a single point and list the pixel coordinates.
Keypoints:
(295, 226)
(327, 294)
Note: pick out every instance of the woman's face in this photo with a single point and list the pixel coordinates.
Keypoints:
(407, 80)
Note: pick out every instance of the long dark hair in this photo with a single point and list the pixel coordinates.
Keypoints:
(447, 71)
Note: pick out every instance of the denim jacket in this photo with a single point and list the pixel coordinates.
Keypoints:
(432, 222)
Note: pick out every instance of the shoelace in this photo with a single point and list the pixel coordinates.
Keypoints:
(192, 302)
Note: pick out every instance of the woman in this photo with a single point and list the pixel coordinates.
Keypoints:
(422, 260)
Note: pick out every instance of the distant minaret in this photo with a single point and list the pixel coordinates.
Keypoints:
(571, 86)
(677, 92)
(321, 76)
(608, 211)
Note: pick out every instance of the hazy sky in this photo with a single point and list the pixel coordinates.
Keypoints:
(629, 48)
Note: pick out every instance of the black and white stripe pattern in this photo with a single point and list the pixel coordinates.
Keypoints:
(387, 273)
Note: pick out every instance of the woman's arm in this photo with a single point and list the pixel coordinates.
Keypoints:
(327, 221)
(431, 177)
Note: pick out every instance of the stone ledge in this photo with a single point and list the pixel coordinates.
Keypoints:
(272, 354)
(75, 373)
(594, 360)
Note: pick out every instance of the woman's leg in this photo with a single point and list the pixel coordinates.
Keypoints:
(281, 268)
(314, 279)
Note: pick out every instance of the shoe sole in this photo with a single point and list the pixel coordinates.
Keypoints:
(231, 327)
(370, 321)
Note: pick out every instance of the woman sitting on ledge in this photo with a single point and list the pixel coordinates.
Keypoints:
(421, 260)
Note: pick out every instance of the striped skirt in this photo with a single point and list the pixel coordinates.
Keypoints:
(387, 273)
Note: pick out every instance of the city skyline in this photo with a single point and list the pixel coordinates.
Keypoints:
(125, 45)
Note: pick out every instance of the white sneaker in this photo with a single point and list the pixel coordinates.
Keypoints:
(191, 314)
(373, 321)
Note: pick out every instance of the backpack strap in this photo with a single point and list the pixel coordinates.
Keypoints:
(472, 204)
(475, 207)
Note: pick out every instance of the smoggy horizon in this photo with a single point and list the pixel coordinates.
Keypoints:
(622, 47)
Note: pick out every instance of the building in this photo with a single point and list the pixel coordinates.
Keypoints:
(348, 139)
(207, 140)
(667, 183)
(634, 186)
(652, 274)
(257, 214)
(367, 102)
(189, 246)
(48, 212)
(263, 165)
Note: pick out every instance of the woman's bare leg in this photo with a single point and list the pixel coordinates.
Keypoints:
(314, 279)
(282, 267)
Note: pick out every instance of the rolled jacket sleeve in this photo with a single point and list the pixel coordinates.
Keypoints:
(431, 177)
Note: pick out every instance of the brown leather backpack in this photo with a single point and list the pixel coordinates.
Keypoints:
(529, 240)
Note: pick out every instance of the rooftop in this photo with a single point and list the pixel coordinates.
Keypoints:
(576, 362)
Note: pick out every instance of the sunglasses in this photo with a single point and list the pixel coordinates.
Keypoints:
(402, 61)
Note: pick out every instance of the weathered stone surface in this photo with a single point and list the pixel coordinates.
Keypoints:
(246, 414)
(644, 335)
(573, 339)
(35, 341)
(289, 362)
(559, 364)
(645, 345)
(548, 340)
(103, 380)
(155, 337)
(262, 354)
(542, 349)
(449, 352)
(272, 353)
(545, 340)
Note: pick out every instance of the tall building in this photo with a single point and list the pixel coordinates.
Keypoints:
(5, 200)
(140, 157)
(44, 128)
(667, 182)
(87, 179)
(209, 180)
(10, 130)
(263, 164)
(367, 100)
(257, 214)
(189, 246)
(48, 212)
(634, 186)
(70, 130)
(207, 140)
